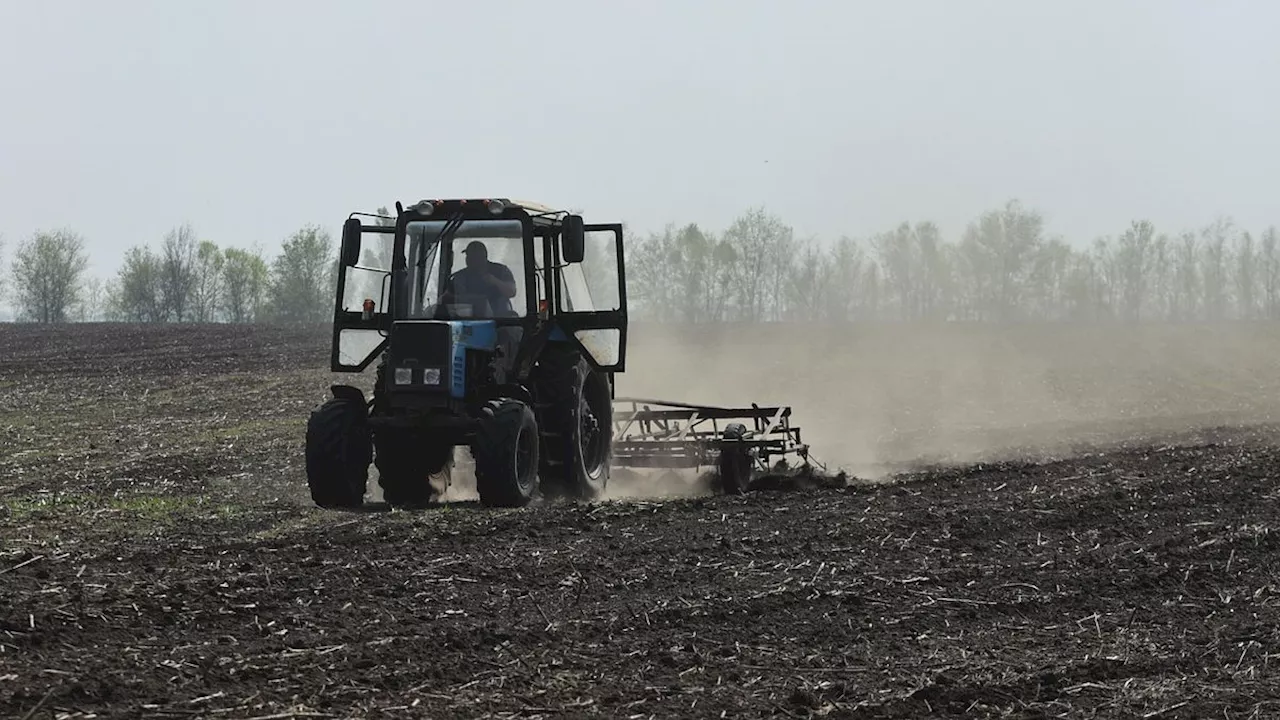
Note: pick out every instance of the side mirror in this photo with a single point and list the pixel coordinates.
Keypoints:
(351, 234)
(573, 240)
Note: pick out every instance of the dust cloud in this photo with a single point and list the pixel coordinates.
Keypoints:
(873, 399)
(876, 399)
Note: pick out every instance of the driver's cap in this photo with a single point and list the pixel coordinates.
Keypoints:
(477, 247)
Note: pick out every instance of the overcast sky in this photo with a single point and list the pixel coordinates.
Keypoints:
(250, 119)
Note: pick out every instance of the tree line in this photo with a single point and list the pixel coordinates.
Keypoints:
(184, 279)
(1003, 267)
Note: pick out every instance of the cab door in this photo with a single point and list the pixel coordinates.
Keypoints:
(591, 300)
(361, 315)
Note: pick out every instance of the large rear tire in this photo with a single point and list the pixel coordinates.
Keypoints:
(575, 408)
(505, 449)
(338, 452)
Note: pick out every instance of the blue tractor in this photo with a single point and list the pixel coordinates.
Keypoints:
(494, 324)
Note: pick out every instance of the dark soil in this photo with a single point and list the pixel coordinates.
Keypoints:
(159, 557)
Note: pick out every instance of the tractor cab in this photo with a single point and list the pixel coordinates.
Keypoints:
(496, 262)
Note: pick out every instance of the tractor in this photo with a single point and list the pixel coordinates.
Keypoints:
(494, 324)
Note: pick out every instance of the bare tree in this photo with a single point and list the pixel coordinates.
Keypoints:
(140, 283)
(1214, 267)
(650, 294)
(935, 278)
(1001, 246)
(244, 282)
(111, 305)
(846, 298)
(900, 260)
(811, 285)
(681, 274)
(46, 275)
(872, 296)
(1047, 281)
(4, 280)
(90, 305)
(1270, 270)
(763, 244)
(1082, 288)
(177, 262)
(698, 268)
(302, 277)
(1108, 298)
(1246, 277)
(1134, 259)
(1186, 278)
(206, 288)
(1162, 285)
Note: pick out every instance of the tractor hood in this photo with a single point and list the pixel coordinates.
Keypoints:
(430, 355)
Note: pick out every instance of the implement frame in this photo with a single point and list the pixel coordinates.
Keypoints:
(665, 434)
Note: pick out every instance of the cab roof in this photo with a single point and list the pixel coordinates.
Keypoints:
(540, 212)
(534, 207)
(530, 206)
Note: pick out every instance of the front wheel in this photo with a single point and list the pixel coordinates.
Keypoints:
(505, 450)
(338, 452)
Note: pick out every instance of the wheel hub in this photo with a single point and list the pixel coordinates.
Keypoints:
(589, 427)
(590, 424)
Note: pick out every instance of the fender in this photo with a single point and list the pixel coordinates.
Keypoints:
(348, 392)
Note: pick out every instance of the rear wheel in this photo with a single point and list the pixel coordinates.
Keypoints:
(575, 408)
(338, 451)
(734, 470)
(505, 449)
(733, 467)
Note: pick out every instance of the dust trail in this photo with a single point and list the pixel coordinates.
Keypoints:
(641, 484)
(876, 398)
(624, 483)
(458, 482)
(452, 485)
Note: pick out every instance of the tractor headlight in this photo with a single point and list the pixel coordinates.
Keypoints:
(496, 207)
(431, 376)
(404, 375)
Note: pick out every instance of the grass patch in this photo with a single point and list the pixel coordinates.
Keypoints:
(140, 507)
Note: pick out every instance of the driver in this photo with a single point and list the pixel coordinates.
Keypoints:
(493, 280)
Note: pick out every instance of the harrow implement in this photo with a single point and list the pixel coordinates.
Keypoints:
(737, 442)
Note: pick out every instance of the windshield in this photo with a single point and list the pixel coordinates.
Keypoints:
(484, 276)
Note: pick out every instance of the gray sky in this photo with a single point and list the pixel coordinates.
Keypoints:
(250, 119)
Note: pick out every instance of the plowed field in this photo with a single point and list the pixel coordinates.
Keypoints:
(160, 558)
